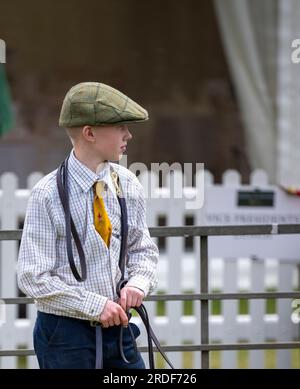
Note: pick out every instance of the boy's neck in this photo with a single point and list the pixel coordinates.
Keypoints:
(94, 163)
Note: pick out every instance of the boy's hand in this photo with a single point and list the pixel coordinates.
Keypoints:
(113, 315)
(131, 297)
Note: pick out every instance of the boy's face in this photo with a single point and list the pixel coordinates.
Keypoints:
(111, 141)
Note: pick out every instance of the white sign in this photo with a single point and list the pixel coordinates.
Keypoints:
(222, 208)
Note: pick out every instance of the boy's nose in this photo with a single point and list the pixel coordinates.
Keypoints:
(128, 134)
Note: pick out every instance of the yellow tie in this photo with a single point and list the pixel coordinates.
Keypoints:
(101, 219)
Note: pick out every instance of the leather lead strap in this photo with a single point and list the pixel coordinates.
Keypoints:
(63, 190)
(99, 348)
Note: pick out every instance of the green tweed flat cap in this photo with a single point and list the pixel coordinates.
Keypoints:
(95, 104)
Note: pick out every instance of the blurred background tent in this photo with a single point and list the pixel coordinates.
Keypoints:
(166, 55)
(216, 77)
(258, 37)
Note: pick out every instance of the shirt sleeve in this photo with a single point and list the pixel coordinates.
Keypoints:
(37, 259)
(142, 251)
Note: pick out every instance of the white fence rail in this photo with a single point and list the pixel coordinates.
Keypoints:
(256, 264)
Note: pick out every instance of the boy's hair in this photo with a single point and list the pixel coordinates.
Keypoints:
(73, 133)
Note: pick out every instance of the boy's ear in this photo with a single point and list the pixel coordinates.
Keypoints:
(88, 133)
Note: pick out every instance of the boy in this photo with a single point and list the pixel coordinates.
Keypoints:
(96, 118)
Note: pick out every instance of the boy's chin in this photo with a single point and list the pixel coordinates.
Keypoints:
(121, 155)
(117, 157)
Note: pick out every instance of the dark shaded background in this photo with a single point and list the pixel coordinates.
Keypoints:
(166, 55)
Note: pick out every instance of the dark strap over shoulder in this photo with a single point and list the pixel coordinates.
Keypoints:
(123, 250)
(63, 191)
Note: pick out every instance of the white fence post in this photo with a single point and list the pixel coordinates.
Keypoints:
(175, 210)
(257, 314)
(285, 324)
(229, 313)
(9, 220)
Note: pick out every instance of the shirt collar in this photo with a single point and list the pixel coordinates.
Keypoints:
(85, 177)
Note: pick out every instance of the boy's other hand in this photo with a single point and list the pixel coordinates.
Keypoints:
(131, 297)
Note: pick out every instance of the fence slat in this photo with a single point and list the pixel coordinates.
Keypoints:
(285, 324)
(229, 313)
(257, 314)
(8, 263)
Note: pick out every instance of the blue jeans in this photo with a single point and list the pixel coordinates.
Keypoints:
(65, 343)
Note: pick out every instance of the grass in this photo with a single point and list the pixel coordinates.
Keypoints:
(242, 357)
(22, 360)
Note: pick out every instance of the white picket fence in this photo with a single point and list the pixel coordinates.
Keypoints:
(179, 271)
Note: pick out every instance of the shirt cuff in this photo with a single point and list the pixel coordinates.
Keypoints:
(140, 283)
(93, 305)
